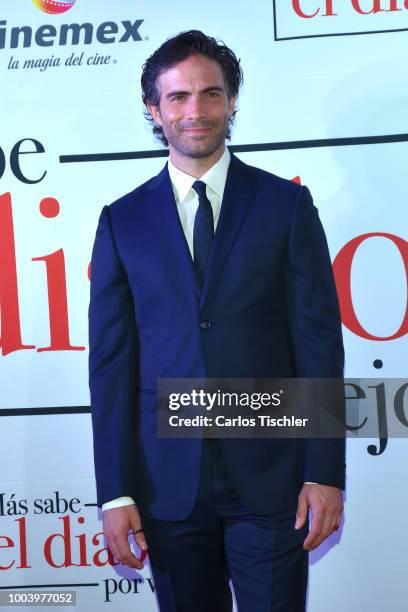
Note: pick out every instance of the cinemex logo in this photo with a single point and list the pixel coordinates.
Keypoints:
(315, 18)
(69, 34)
(52, 7)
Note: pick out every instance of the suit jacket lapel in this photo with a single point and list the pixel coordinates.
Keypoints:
(239, 189)
(164, 215)
(162, 209)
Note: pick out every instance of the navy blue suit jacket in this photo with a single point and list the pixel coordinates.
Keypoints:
(271, 300)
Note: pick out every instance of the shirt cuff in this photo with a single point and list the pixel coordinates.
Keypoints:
(118, 502)
(306, 482)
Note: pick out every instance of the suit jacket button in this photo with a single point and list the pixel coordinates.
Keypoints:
(205, 324)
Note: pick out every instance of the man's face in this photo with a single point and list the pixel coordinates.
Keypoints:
(194, 107)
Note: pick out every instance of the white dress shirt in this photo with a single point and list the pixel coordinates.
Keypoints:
(187, 199)
(187, 203)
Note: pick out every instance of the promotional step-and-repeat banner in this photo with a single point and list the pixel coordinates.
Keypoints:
(324, 102)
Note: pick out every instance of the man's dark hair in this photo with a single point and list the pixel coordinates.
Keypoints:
(179, 48)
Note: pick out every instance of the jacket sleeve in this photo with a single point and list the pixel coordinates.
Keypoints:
(113, 368)
(315, 329)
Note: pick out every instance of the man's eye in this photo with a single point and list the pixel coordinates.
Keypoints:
(179, 98)
(213, 94)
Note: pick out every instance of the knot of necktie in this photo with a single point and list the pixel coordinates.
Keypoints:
(200, 189)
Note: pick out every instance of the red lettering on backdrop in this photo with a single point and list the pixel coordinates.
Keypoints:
(329, 9)
(376, 7)
(104, 552)
(69, 547)
(342, 273)
(82, 545)
(57, 289)
(10, 315)
(57, 303)
(66, 540)
(394, 6)
(23, 543)
(298, 10)
(366, 9)
(9, 544)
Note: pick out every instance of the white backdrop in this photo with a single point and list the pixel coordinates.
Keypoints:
(306, 79)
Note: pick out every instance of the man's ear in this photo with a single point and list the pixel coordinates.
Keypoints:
(155, 113)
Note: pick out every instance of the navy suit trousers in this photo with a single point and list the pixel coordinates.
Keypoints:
(193, 560)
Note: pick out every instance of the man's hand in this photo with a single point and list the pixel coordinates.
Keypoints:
(326, 504)
(117, 522)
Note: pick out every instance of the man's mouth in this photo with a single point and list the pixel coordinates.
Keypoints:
(197, 130)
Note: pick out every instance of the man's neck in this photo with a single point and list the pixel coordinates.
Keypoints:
(195, 166)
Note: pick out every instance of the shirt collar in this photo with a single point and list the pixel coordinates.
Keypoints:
(215, 177)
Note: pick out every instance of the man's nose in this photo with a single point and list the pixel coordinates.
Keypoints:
(196, 108)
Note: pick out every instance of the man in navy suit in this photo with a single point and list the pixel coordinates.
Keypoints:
(213, 268)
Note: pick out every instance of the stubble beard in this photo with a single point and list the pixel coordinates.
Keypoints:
(190, 146)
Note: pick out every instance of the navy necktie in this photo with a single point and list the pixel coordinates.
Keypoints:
(203, 231)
